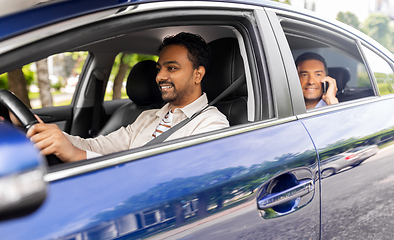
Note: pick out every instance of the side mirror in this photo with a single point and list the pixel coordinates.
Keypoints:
(22, 168)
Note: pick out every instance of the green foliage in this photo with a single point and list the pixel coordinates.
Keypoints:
(349, 18)
(31, 76)
(3, 81)
(363, 80)
(377, 27)
(131, 60)
(385, 83)
(75, 63)
(282, 1)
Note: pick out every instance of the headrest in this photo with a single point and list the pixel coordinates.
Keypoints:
(225, 68)
(141, 84)
(341, 75)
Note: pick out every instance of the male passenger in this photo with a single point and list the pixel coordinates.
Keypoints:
(182, 63)
(312, 71)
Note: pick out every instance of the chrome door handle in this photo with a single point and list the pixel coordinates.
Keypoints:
(273, 199)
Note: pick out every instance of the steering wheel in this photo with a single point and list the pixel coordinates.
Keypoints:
(24, 115)
(15, 105)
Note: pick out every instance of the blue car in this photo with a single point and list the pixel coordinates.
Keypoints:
(260, 178)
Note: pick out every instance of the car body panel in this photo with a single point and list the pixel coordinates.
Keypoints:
(146, 184)
(353, 199)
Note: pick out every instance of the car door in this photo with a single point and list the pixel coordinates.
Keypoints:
(257, 180)
(356, 186)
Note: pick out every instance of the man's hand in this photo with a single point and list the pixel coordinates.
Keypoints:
(51, 140)
(330, 97)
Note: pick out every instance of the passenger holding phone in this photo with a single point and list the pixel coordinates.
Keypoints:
(318, 88)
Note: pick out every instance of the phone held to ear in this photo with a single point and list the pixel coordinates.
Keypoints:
(325, 87)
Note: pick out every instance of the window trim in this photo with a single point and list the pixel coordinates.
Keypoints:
(369, 69)
(246, 31)
(338, 34)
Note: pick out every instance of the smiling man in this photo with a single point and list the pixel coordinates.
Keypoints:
(312, 71)
(181, 67)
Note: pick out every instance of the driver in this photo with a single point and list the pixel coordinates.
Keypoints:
(182, 63)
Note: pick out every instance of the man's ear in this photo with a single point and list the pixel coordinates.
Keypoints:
(200, 72)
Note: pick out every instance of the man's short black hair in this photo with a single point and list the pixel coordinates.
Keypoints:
(311, 56)
(198, 50)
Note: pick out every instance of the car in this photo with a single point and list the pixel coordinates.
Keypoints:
(350, 158)
(260, 178)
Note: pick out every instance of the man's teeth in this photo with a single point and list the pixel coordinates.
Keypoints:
(165, 87)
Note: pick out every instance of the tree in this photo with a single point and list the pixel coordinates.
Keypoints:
(282, 1)
(123, 63)
(123, 67)
(17, 84)
(349, 18)
(377, 27)
(44, 84)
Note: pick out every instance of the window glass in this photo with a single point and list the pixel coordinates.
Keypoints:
(346, 67)
(336, 58)
(116, 87)
(48, 82)
(381, 70)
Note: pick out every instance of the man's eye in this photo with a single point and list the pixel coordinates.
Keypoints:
(171, 68)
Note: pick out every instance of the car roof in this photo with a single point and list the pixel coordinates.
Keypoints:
(48, 12)
(31, 16)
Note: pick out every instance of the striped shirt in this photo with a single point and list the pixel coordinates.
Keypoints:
(164, 125)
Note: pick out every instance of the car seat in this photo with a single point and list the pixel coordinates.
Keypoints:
(225, 68)
(143, 92)
(345, 93)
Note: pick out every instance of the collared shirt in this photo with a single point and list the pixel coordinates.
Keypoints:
(140, 132)
(321, 103)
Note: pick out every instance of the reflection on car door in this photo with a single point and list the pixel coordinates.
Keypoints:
(207, 191)
(357, 199)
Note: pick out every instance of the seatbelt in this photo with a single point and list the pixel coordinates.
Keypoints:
(98, 77)
(238, 83)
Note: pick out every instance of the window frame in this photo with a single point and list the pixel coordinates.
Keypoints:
(369, 69)
(310, 22)
(248, 32)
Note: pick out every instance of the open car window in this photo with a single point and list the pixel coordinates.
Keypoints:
(342, 55)
(108, 40)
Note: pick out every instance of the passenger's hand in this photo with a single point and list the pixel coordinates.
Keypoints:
(330, 96)
(51, 140)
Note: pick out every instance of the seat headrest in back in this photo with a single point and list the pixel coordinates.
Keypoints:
(141, 84)
(225, 68)
(341, 75)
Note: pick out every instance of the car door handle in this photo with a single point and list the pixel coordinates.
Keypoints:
(273, 199)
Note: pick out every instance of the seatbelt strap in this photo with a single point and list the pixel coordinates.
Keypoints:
(98, 77)
(162, 137)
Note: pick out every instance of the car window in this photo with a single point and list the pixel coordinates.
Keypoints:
(381, 70)
(344, 61)
(49, 82)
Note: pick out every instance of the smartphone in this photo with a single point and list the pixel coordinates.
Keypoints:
(325, 87)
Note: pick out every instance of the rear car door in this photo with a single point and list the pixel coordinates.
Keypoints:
(352, 138)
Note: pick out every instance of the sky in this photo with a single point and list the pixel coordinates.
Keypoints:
(330, 9)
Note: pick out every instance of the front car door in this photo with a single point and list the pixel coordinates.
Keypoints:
(256, 180)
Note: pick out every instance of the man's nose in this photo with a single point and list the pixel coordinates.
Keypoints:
(160, 75)
(312, 80)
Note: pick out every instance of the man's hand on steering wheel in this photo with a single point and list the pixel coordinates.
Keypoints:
(51, 140)
(48, 137)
